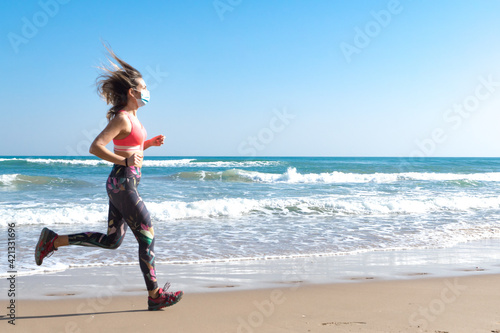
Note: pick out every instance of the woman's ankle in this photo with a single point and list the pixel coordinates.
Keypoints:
(61, 241)
(154, 293)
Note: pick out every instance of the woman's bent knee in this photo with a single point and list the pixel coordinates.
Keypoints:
(115, 245)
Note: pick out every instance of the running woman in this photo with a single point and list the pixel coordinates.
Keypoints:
(123, 87)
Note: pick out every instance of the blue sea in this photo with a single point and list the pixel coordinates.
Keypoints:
(217, 209)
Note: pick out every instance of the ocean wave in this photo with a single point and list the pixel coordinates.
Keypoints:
(336, 177)
(234, 175)
(86, 162)
(95, 162)
(42, 214)
(329, 206)
(8, 180)
(236, 207)
(64, 161)
(185, 162)
(168, 163)
(236, 164)
(15, 180)
(193, 163)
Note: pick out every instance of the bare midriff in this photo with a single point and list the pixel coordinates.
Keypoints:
(129, 154)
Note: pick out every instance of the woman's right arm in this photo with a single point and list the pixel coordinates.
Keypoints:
(98, 147)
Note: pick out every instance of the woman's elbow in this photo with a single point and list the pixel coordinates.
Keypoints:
(93, 148)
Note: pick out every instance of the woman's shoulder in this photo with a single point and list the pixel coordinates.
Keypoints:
(121, 119)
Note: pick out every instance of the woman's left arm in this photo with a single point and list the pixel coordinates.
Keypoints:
(156, 141)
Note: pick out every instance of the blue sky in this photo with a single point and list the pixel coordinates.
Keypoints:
(265, 78)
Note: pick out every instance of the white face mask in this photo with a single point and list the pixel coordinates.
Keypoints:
(144, 98)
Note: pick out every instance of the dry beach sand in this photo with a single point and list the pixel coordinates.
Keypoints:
(455, 304)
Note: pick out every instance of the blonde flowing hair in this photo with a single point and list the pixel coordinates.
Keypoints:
(115, 81)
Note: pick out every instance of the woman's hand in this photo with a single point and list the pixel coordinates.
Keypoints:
(157, 140)
(135, 160)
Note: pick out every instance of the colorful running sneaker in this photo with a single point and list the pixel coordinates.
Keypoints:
(165, 299)
(45, 247)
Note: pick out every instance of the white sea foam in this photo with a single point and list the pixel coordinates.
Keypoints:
(26, 269)
(167, 163)
(87, 162)
(9, 179)
(454, 233)
(236, 164)
(233, 207)
(326, 206)
(13, 180)
(292, 176)
(38, 214)
(445, 236)
(185, 162)
(173, 210)
(95, 162)
(201, 164)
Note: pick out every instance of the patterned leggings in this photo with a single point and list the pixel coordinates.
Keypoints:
(125, 208)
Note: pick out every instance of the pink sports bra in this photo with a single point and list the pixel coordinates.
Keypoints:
(135, 140)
